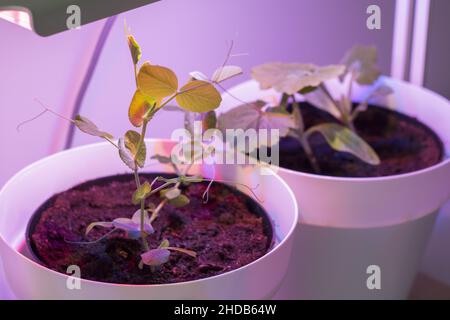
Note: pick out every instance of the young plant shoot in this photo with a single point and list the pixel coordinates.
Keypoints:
(361, 67)
(292, 79)
(156, 87)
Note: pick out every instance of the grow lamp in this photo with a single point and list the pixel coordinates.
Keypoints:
(47, 17)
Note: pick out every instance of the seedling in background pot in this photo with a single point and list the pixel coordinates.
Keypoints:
(291, 79)
(361, 67)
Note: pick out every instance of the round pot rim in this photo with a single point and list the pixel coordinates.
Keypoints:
(445, 161)
(117, 285)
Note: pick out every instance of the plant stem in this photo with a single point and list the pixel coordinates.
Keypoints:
(324, 88)
(302, 137)
(284, 100)
(310, 154)
(298, 116)
(138, 185)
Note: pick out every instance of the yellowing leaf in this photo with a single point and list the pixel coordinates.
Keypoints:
(132, 143)
(135, 49)
(139, 107)
(225, 73)
(290, 78)
(87, 126)
(341, 138)
(157, 81)
(199, 96)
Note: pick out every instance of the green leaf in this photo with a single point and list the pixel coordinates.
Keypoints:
(175, 197)
(341, 138)
(87, 126)
(157, 81)
(135, 49)
(171, 193)
(164, 244)
(307, 90)
(132, 139)
(180, 201)
(142, 193)
(198, 96)
(139, 108)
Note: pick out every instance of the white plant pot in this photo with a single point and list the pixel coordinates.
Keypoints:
(28, 189)
(349, 224)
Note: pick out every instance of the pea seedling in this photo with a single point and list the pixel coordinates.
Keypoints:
(290, 79)
(361, 67)
(156, 87)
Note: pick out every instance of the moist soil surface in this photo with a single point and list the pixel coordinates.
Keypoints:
(228, 232)
(402, 143)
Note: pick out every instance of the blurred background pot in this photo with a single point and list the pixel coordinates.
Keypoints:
(350, 228)
(29, 188)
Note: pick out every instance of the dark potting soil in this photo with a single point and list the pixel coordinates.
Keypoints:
(229, 231)
(402, 143)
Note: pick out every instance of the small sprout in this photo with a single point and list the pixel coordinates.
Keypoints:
(164, 244)
(290, 78)
(135, 49)
(142, 193)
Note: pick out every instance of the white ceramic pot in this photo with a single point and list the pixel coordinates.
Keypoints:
(28, 189)
(347, 225)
